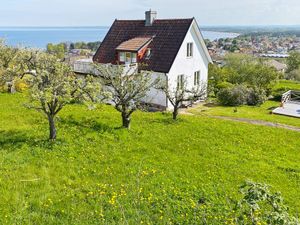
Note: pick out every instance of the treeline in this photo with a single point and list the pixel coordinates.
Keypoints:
(62, 48)
(243, 80)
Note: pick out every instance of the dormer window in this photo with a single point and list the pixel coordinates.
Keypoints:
(133, 57)
(127, 57)
(132, 50)
(122, 56)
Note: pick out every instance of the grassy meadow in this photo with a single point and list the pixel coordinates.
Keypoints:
(263, 112)
(159, 172)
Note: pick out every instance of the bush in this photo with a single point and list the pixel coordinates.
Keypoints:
(277, 93)
(261, 206)
(20, 85)
(293, 75)
(234, 96)
(223, 85)
(3, 88)
(241, 95)
(256, 96)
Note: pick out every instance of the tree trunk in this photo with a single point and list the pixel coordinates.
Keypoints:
(52, 128)
(11, 87)
(175, 112)
(125, 120)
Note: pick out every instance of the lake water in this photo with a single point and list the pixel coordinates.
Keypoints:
(39, 37)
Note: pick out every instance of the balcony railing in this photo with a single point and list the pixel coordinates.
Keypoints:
(291, 96)
(85, 66)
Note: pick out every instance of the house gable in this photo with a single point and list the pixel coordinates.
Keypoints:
(188, 66)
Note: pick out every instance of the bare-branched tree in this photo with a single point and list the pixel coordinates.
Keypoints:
(181, 94)
(53, 85)
(128, 87)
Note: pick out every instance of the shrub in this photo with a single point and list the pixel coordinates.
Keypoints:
(233, 96)
(20, 85)
(256, 96)
(3, 88)
(261, 206)
(293, 75)
(277, 93)
(223, 85)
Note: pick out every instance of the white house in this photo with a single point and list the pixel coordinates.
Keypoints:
(173, 49)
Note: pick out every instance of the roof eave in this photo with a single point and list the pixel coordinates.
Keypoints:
(209, 59)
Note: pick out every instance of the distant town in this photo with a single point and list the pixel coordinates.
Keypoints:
(265, 42)
(261, 45)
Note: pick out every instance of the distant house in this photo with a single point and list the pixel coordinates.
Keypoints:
(280, 67)
(173, 49)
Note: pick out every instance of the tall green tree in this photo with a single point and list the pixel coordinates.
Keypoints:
(293, 61)
(250, 71)
(58, 50)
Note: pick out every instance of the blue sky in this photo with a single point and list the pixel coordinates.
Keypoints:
(103, 12)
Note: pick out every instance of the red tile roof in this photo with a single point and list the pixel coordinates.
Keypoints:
(134, 44)
(168, 37)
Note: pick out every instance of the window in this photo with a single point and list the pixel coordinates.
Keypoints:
(148, 53)
(197, 78)
(133, 58)
(128, 57)
(189, 52)
(122, 57)
(180, 81)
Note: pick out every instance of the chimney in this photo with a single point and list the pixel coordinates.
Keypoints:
(150, 17)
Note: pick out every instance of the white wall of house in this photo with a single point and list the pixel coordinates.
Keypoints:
(187, 66)
(155, 96)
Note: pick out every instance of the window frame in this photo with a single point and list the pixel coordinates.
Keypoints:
(197, 75)
(122, 56)
(148, 53)
(126, 57)
(180, 81)
(133, 56)
(190, 49)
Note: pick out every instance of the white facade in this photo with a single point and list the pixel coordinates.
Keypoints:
(155, 96)
(184, 65)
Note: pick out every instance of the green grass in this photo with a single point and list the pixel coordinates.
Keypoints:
(157, 173)
(262, 112)
(288, 85)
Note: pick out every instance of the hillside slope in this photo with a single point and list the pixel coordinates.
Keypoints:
(159, 172)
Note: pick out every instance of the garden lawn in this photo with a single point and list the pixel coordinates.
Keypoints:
(159, 172)
(263, 112)
(288, 85)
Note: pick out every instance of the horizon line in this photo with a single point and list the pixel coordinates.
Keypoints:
(80, 26)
